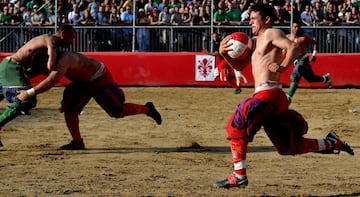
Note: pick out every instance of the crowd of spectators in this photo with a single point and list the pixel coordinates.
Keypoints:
(171, 13)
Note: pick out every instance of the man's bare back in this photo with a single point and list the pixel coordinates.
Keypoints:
(63, 37)
(23, 55)
(76, 67)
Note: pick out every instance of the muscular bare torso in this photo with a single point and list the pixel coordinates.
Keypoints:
(23, 55)
(301, 41)
(263, 55)
(77, 67)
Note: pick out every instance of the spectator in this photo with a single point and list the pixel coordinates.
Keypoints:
(115, 33)
(102, 16)
(74, 16)
(30, 5)
(5, 17)
(342, 14)
(348, 6)
(162, 4)
(154, 18)
(149, 6)
(93, 8)
(127, 18)
(114, 17)
(76, 19)
(331, 17)
(342, 32)
(220, 17)
(38, 17)
(143, 34)
(191, 8)
(186, 16)
(196, 19)
(319, 12)
(233, 14)
(82, 6)
(165, 16)
(175, 17)
(307, 19)
(206, 16)
(164, 19)
(52, 17)
(27, 17)
(245, 15)
(87, 19)
(353, 18)
(16, 19)
(182, 7)
(155, 32)
(173, 4)
(285, 12)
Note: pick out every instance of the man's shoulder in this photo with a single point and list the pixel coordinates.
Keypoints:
(273, 30)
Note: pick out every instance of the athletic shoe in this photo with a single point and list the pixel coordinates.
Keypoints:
(232, 181)
(25, 112)
(237, 91)
(327, 79)
(337, 144)
(74, 145)
(153, 113)
(289, 99)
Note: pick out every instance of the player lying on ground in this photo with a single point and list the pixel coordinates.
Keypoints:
(90, 79)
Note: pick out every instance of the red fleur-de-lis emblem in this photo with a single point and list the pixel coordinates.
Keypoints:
(205, 67)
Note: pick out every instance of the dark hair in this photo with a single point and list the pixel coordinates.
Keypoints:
(66, 28)
(264, 10)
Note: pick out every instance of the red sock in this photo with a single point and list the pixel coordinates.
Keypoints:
(130, 109)
(72, 123)
(239, 149)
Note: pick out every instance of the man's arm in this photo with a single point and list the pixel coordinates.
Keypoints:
(293, 50)
(314, 43)
(43, 86)
(50, 42)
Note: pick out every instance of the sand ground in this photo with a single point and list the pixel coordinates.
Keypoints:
(182, 157)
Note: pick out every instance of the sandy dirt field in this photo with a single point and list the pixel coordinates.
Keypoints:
(182, 157)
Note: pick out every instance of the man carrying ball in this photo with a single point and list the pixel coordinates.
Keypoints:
(268, 107)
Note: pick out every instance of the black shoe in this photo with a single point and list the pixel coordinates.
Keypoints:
(1, 144)
(327, 79)
(337, 144)
(153, 113)
(232, 181)
(237, 91)
(74, 145)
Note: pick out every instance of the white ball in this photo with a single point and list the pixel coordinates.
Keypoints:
(241, 46)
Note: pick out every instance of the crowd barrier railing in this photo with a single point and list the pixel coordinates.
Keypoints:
(334, 39)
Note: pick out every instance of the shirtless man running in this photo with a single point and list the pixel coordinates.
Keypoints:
(268, 107)
(90, 79)
(302, 64)
(16, 70)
